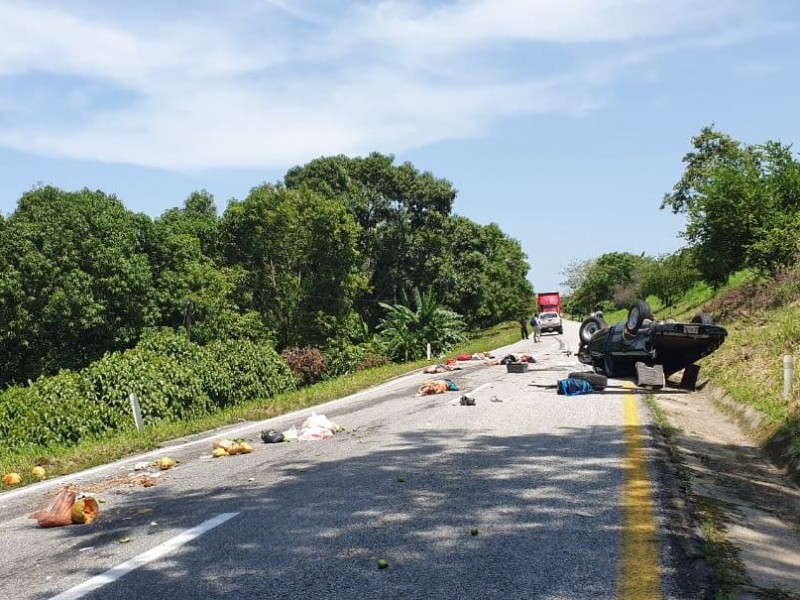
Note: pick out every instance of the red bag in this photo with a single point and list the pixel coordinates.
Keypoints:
(58, 512)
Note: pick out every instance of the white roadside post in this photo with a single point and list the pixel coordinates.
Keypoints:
(429, 351)
(788, 376)
(137, 412)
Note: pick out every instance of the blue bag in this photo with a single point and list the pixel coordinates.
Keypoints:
(573, 387)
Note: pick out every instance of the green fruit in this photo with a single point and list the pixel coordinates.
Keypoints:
(383, 564)
(474, 531)
(401, 479)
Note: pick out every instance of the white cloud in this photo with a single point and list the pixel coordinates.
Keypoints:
(285, 83)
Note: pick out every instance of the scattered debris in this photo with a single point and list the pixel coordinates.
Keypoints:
(401, 479)
(508, 358)
(142, 466)
(245, 448)
(650, 376)
(383, 563)
(442, 368)
(290, 434)
(124, 540)
(58, 511)
(573, 387)
(495, 399)
(233, 450)
(318, 427)
(165, 463)
(467, 400)
(222, 443)
(271, 436)
(85, 510)
(219, 452)
(12, 479)
(474, 531)
(65, 509)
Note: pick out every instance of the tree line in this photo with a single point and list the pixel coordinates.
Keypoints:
(742, 208)
(318, 260)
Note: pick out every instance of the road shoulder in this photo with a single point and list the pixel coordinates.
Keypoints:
(754, 505)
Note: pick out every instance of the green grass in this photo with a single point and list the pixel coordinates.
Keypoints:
(62, 460)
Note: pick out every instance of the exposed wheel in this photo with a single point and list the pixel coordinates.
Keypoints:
(589, 327)
(703, 319)
(636, 315)
(561, 330)
(597, 381)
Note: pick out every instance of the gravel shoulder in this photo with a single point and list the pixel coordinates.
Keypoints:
(758, 504)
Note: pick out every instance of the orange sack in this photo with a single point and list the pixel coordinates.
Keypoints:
(58, 512)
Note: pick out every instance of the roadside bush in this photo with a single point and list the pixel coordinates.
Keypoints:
(167, 342)
(307, 364)
(174, 379)
(344, 358)
(168, 389)
(372, 360)
(235, 371)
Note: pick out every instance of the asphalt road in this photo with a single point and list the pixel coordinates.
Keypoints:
(540, 477)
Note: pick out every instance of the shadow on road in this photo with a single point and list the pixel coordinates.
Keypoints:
(546, 508)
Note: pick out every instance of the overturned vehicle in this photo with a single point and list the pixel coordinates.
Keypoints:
(614, 350)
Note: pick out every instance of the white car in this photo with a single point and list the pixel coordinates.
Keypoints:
(550, 321)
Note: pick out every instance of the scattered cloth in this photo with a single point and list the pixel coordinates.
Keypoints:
(573, 387)
(442, 368)
(508, 358)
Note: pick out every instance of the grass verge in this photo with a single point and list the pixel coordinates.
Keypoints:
(63, 460)
(722, 556)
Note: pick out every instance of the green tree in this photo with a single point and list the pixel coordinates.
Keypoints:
(604, 278)
(75, 281)
(299, 252)
(741, 205)
(400, 211)
(671, 276)
(197, 218)
(408, 327)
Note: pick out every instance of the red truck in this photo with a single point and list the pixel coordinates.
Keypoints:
(549, 302)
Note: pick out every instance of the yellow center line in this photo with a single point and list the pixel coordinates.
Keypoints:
(640, 578)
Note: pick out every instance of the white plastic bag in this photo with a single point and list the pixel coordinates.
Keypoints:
(290, 434)
(314, 433)
(316, 420)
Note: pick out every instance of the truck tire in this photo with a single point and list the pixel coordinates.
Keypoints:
(588, 328)
(597, 381)
(636, 315)
(703, 319)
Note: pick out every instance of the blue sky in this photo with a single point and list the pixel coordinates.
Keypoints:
(563, 122)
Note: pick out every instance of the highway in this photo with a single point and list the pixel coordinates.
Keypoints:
(527, 494)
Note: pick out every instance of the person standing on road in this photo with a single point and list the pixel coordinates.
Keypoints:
(537, 328)
(523, 328)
